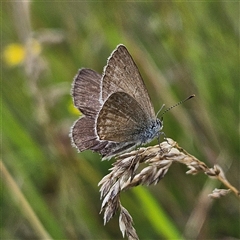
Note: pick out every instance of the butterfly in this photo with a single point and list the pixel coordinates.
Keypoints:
(117, 111)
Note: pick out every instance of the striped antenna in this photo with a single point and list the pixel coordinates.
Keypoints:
(191, 96)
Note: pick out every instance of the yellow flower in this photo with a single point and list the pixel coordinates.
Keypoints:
(14, 54)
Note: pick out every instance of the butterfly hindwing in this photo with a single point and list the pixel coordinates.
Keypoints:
(121, 118)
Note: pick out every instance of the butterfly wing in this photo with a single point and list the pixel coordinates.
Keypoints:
(86, 94)
(122, 75)
(121, 119)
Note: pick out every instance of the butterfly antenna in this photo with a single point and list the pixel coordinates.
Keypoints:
(160, 109)
(191, 96)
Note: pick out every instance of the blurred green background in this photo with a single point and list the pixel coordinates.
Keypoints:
(48, 189)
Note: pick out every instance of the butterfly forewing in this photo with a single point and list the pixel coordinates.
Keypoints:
(86, 91)
(122, 75)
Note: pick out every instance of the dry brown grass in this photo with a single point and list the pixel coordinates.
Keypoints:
(126, 174)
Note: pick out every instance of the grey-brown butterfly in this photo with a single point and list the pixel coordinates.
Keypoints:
(117, 111)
